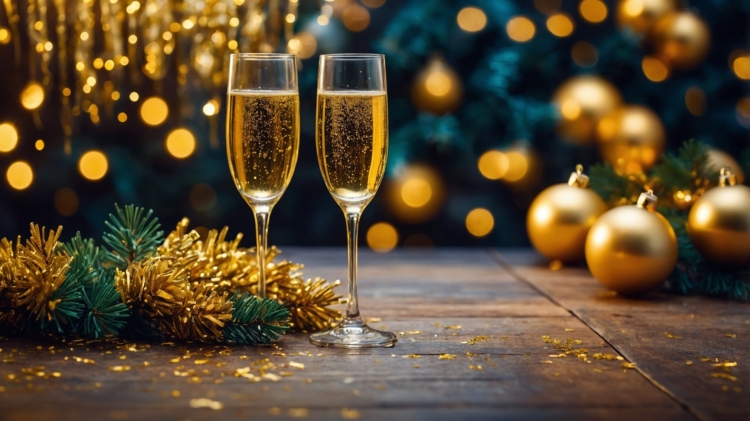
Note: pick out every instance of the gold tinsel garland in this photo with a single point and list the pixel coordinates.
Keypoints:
(182, 289)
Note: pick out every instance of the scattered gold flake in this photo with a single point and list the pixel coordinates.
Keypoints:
(175, 393)
(567, 347)
(726, 364)
(569, 329)
(724, 376)
(298, 366)
(731, 335)
(597, 370)
(274, 410)
(470, 354)
(123, 357)
(119, 368)
(416, 365)
(546, 362)
(447, 357)
(374, 320)
(226, 351)
(606, 356)
(167, 343)
(505, 338)
(410, 332)
(475, 367)
(200, 362)
(308, 381)
(688, 362)
(175, 360)
(705, 359)
(272, 377)
(628, 365)
(279, 353)
(286, 373)
(452, 327)
(243, 357)
(557, 355)
(349, 414)
(299, 412)
(319, 355)
(221, 364)
(412, 356)
(436, 324)
(671, 336)
(84, 360)
(194, 380)
(476, 339)
(725, 388)
(206, 403)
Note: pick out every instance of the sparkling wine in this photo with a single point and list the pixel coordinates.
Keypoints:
(352, 142)
(262, 142)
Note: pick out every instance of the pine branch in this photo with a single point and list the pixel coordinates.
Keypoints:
(612, 187)
(104, 313)
(133, 237)
(255, 320)
(78, 246)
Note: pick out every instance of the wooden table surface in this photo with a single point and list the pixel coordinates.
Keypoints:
(503, 301)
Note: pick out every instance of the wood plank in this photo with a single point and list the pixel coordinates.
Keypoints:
(636, 327)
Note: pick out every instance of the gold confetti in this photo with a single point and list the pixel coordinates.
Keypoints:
(410, 332)
(688, 362)
(119, 368)
(705, 359)
(726, 364)
(597, 370)
(628, 365)
(84, 360)
(412, 356)
(557, 356)
(123, 357)
(670, 336)
(731, 335)
(475, 367)
(349, 414)
(176, 393)
(416, 365)
(476, 339)
(608, 357)
(272, 377)
(547, 362)
(299, 412)
(569, 329)
(175, 360)
(200, 362)
(724, 376)
(470, 354)
(455, 327)
(298, 366)
(286, 373)
(447, 357)
(374, 320)
(206, 403)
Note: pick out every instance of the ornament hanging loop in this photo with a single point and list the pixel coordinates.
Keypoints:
(727, 177)
(578, 178)
(648, 201)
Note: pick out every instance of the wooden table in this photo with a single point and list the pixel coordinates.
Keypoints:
(504, 302)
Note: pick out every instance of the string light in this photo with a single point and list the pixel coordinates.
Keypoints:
(8, 137)
(560, 25)
(154, 110)
(416, 192)
(520, 29)
(211, 108)
(479, 222)
(19, 175)
(594, 11)
(518, 166)
(122, 117)
(471, 19)
(180, 143)
(134, 96)
(382, 237)
(32, 96)
(740, 64)
(303, 45)
(93, 165)
(493, 165)
(4, 36)
(39, 144)
(66, 202)
(654, 69)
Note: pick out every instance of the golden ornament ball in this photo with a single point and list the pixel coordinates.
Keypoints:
(640, 15)
(632, 249)
(437, 88)
(719, 159)
(582, 101)
(682, 38)
(631, 139)
(719, 223)
(560, 217)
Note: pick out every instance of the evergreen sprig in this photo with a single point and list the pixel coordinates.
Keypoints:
(104, 312)
(255, 320)
(612, 187)
(133, 235)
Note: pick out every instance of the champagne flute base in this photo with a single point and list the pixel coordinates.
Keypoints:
(353, 334)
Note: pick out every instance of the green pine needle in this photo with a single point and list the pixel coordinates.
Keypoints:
(78, 246)
(255, 320)
(610, 186)
(134, 236)
(105, 314)
(67, 309)
(679, 172)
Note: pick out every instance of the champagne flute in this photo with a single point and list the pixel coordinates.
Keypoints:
(351, 138)
(262, 136)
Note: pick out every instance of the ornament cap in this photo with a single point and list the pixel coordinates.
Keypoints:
(578, 178)
(648, 201)
(727, 177)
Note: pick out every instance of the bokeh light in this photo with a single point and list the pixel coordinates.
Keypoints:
(493, 165)
(122, 117)
(19, 175)
(739, 62)
(382, 237)
(438, 83)
(356, 18)
(66, 202)
(39, 144)
(471, 19)
(134, 96)
(593, 11)
(4, 35)
(180, 143)
(93, 165)
(303, 45)
(518, 166)
(8, 137)
(211, 108)
(584, 54)
(560, 25)
(32, 96)
(654, 69)
(520, 29)
(547, 7)
(479, 222)
(416, 192)
(695, 100)
(154, 111)
(202, 197)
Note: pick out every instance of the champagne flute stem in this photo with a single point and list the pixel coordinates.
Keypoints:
(262, 215)
(352, 231)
